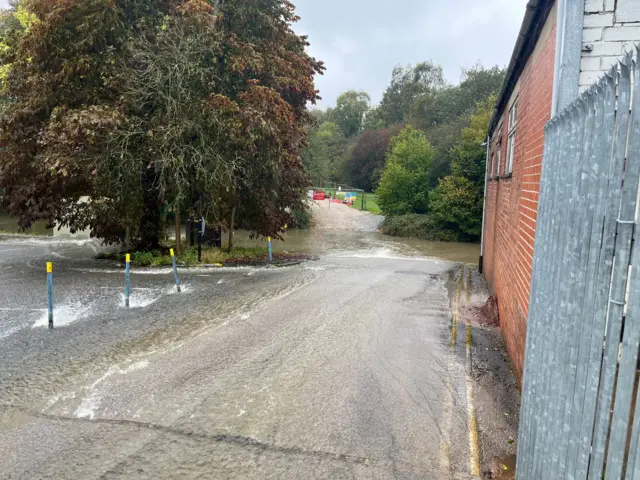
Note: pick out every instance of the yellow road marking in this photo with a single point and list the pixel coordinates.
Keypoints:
(456, 311)
(474, 450)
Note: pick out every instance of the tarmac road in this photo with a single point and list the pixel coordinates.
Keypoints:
(340, 368)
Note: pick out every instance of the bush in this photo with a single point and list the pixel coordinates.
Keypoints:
(405, 179)
(301, 218)
(457, 203)
(417, 226)
(142, 259)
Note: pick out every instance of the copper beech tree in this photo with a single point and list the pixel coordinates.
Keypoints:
(118, 109)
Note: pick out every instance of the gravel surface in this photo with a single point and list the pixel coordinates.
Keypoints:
(341, 217)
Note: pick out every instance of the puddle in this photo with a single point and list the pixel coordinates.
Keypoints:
(503, 468)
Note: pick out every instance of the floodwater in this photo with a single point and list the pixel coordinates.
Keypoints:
(337, 368)
(10, 225)
(338, 241)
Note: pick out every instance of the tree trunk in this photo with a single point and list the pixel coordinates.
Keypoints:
(231, 224)
(150, 228)
(192, 234)
(178, 251)
(127, 237)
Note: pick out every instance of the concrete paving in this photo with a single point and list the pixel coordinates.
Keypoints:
(341, 368)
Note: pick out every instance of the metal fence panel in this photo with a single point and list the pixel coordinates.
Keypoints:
(577, 326)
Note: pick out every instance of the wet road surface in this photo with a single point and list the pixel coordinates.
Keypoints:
(340, 368)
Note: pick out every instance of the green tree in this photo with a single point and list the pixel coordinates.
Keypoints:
(407, 86)
(350, 111)
(404, 183)
(456, 203)
(452, 102)
(323, 155)
(365, 161)
(469, 155)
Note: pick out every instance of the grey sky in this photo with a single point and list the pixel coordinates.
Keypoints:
(361, 41)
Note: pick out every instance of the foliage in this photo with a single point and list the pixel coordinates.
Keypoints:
(143, 259)
(417, 226)
(366, 160)
(403, 186)
(469, 156)
(456, 204)
(324, 153)
(210, 256)
(301, 218)
(135, 104)
(350, 111)
(407, 86)
(452, 102)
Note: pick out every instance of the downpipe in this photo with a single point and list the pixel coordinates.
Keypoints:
(484, 207)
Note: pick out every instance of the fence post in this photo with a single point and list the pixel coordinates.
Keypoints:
(175, 269)
(127, 281)
(270, 250)
(50, 291)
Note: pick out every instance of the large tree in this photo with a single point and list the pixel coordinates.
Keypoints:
(350, 111)
(456, 203)
(404, 183)
(323, 155)
(366, 160)
(139, 103)
(409, 85)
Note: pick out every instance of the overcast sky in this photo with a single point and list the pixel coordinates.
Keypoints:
(361, 41)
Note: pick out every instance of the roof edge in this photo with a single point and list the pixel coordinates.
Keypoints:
(535, 17)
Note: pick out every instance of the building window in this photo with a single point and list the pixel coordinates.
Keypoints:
(498, 147)
(511, 140)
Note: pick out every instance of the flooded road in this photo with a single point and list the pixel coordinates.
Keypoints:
(341, 368)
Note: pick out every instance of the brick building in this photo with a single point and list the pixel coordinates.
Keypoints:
(563, 47)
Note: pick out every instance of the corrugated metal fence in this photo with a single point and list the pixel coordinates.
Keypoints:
(579, 395)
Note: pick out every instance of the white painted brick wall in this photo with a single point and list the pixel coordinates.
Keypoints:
(591, 6)
(627, 33)
(592, 35)
(607, 62)
(628, 11)
(606, 49)
(611, 27)
(598, 20)
(590, 64)
(589, 78)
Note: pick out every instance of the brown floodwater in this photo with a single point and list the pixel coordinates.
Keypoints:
(10, 225)
(341, 242)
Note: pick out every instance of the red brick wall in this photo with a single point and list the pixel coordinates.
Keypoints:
(512, 202)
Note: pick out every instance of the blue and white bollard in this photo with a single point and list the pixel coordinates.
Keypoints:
(175, 269)
(127, 284)
(270, 250)
(50, 289)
